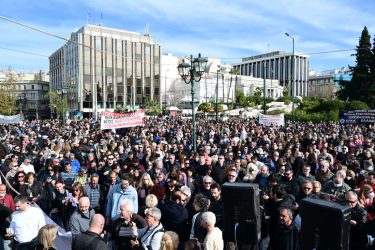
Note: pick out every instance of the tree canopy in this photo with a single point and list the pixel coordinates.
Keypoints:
(362, 85)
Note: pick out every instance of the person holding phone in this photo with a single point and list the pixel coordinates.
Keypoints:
(122, 230)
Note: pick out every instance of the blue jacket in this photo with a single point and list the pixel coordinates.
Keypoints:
(115, 196)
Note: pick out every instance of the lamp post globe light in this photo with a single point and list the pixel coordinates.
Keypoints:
(292, 78)
(192, 72)
(62, 91)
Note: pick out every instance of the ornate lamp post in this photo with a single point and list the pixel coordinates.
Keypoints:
(292, 78)
(192, 72)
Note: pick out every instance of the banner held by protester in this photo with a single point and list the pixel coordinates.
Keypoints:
(111, 120)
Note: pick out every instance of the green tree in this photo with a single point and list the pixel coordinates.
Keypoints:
(55, 102)
(205, 107)
(8, 104)
(152, 108)
(361, 87)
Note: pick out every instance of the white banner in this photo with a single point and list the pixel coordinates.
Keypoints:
(12, 119)
(271, 120)
(111, 120)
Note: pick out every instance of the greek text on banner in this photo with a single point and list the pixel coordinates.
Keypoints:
(111, 120)
(271, 120)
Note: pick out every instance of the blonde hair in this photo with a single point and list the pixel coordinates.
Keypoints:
(47, 235)
(169, 241)
(151, 200)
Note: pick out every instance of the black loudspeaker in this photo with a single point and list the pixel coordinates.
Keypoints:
(241, 208)
(325, 225)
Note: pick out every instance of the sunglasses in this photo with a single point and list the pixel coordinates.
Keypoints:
(21, 176)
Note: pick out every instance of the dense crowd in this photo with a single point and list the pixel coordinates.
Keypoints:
(145, 188)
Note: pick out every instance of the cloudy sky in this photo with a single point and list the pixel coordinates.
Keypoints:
(228, 30)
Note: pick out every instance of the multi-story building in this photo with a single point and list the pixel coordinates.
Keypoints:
(326, 83)
(278, 65)
(216, 82)
(106, 69)
(30, 91)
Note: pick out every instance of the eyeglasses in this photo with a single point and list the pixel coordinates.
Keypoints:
(21, 176)
(149, 215)
(50, 169)
(207, 183)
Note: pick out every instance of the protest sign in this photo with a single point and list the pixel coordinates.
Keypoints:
(111, 120)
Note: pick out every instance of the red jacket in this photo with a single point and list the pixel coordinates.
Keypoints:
(8, 202)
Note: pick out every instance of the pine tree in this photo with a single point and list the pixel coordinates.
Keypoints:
(361, 86)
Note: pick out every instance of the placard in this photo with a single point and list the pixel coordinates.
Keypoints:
(271, 120)
(111, 120)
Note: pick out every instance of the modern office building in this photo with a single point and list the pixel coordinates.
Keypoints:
(106, 69)
(278, 65)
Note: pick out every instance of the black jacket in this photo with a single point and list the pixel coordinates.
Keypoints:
(88, 241)
(286, 238)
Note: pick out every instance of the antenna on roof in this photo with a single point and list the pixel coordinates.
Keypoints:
(147, 27)
(101, 19)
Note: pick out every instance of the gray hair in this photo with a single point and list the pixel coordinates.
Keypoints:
(207, 178)
(209, 218)
(128, 204)
(351, 193)
(155, 212)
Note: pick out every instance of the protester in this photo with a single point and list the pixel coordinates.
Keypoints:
(214, 237)
(26, 223)
(282, 160)
(46, 236)
(91, 239)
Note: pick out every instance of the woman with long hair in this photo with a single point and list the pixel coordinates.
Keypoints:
(366, 199)
(169, 241)
(77, 192)
(143, 190)
(46, 236)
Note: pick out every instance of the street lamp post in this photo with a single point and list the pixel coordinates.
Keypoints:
(62, 91)
(192, 72)
(292, 78)
(264, 89)
(165, 91)
(217, 94)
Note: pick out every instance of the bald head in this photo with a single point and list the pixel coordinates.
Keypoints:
(84, 204)
(97, 223)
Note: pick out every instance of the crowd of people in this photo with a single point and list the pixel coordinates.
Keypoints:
(145, 187)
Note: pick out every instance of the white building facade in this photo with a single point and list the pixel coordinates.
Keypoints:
(217, 82)
(278, 66)
(105, 69)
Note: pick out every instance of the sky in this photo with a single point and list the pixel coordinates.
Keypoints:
(229, 30)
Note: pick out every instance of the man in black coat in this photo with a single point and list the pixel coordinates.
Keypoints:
(175, 216)
(358, 237)
(287, 232)
(218, 169)
(291, 184)
(91, 239)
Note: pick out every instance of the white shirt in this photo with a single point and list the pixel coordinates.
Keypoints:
(214, 240)
(25, 225)
(27, 168)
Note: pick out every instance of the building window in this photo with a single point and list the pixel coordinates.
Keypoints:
(139, 90)
(32, 86)
(148, 90)
(156, 91)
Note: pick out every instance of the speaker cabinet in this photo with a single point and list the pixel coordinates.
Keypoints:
(241, 208)
(325, 225)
